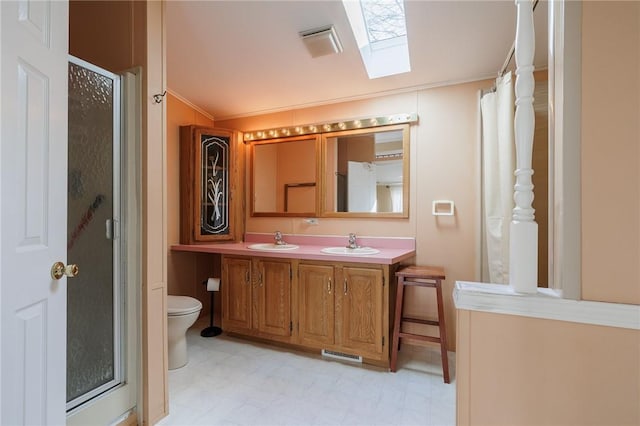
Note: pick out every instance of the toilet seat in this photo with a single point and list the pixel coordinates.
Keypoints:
(182, 305)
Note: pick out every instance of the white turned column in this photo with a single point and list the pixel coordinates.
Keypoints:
(523, 251)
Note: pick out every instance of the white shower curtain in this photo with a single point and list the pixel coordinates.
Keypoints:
(498, 166)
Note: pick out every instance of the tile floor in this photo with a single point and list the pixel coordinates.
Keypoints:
(230, 381)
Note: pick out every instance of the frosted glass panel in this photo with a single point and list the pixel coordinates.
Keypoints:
(90, 296)
(214, 196)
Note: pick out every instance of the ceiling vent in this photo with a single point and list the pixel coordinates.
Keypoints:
(321, 41)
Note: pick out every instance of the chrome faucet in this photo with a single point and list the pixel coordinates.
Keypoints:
(278, 237)
(352, 241)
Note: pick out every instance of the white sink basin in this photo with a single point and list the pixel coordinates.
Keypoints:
(272, 247)
(360, 251)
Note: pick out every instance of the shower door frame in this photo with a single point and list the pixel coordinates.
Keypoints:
(119, 320)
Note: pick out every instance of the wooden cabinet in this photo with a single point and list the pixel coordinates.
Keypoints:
(274, 297)
(210, 184)
(342, 308)
(236, 294)
(360, 308)
(316, 309)
(256, 295)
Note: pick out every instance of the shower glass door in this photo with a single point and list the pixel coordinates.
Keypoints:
(94, 298)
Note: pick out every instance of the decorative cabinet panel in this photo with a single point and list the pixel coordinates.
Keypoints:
(360, 306)
(317, 305)
(274, 297)
(208, 180)
(236, 294)
(342, 308)
(256, 295)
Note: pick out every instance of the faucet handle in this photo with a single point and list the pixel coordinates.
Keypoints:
(352, 241)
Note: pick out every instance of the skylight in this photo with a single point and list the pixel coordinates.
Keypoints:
(379, 27)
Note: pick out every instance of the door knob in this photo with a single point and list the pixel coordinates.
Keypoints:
(58, 270)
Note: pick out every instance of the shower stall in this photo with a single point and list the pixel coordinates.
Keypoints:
(102, 212)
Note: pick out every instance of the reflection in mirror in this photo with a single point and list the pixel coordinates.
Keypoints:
(284, 175)
(366, 172)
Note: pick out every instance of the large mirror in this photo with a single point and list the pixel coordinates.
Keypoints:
(366, 172)
(284, 176)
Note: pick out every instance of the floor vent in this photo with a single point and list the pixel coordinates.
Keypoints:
(341, 356)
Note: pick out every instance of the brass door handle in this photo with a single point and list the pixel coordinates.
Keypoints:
(59, 270)
(329, 286)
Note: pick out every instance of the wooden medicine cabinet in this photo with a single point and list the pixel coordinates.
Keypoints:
(209, 176)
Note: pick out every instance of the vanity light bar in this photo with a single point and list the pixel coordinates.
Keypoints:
(312, 129)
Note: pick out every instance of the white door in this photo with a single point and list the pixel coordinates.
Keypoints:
(33, 210)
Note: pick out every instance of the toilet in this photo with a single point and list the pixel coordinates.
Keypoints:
(183, 311)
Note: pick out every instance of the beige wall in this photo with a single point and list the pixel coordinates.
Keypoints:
(443, 165)
(186, 271)
(517, 370)
(154, 219)
(611, 151)
(526, 371)
(102, 32)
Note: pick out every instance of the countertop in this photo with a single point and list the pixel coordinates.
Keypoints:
(392, 249)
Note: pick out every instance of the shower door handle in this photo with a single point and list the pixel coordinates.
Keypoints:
(111, 226)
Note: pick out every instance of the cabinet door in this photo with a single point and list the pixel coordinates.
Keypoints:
(236, 293)
(274, 297)
(316, 287)
(207, 179)
(360, 309)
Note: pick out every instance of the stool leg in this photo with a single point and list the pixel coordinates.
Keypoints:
(396, 324)
(443, 332)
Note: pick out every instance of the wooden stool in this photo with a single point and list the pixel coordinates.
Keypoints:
(421, 276)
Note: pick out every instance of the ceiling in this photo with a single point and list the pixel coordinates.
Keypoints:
(240, 58)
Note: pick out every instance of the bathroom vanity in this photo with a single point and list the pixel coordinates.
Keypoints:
(309, 299)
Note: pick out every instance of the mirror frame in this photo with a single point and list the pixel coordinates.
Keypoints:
(406, 146)
(316, 139)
